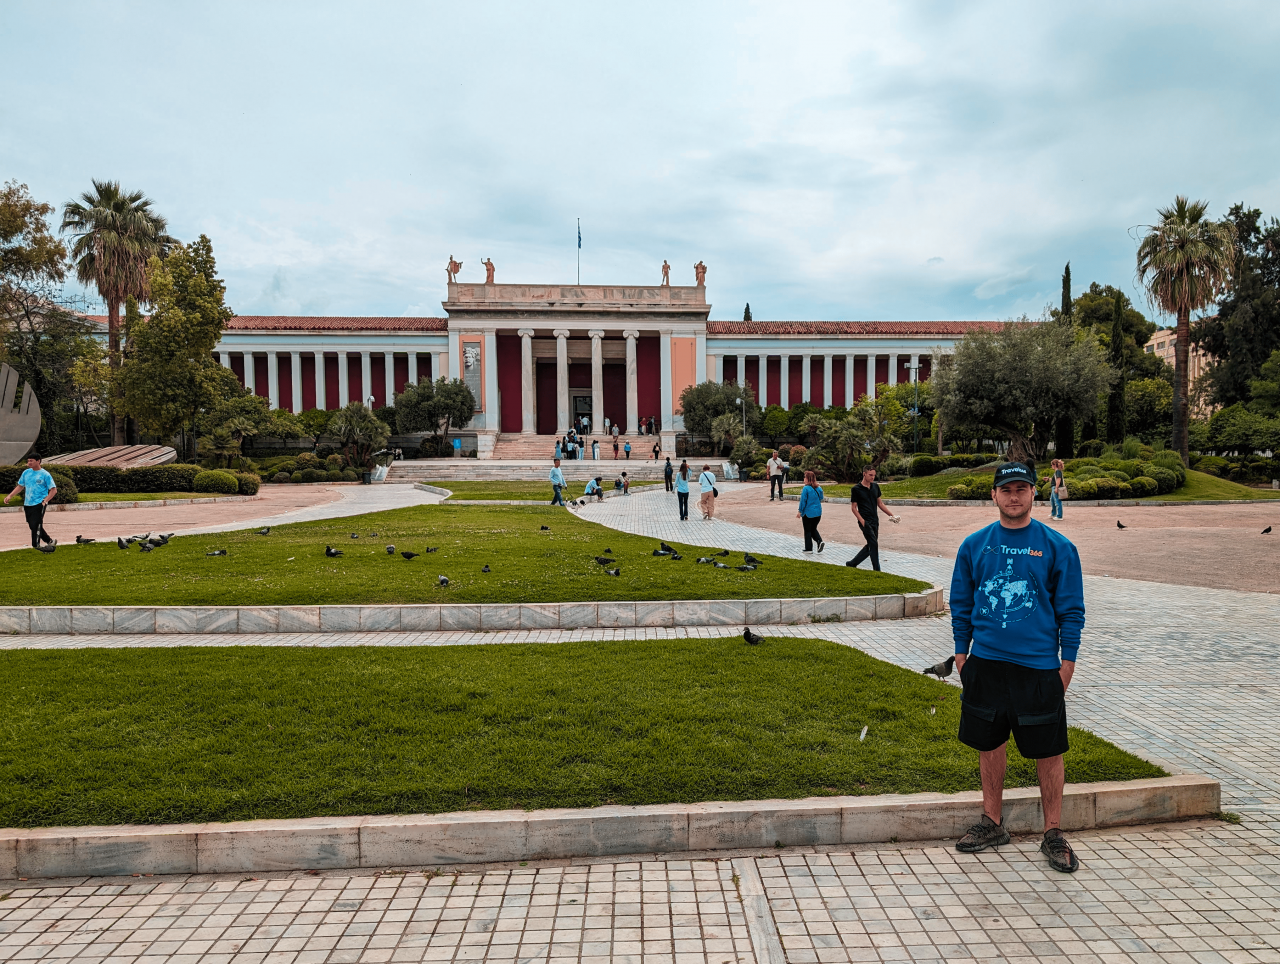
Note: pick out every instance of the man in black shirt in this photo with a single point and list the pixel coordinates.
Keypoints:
(866, 499)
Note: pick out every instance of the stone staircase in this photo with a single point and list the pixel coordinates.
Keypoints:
(532, 447)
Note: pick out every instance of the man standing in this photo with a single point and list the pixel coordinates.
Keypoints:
(38, 490)
(707, 501)
(557, 483)
(1017, 596)
(866, 500)
(668, 471)
(777, 472)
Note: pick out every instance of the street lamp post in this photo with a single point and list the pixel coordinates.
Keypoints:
(915, 407)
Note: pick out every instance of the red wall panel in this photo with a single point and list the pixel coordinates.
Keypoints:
(795, 379)
(730, 369)
(355, 383)
(926, 368)
(882, 371)
(817, 372)
(237, 366)
(648, 379)
(331, 381)
(753, 375)
(510, 396)
(308, 382)
(838, 366)
(260, 375)
(613, 379)
(904, 368)
(774, 366)
(378, 375)
(285, 365)
(402, 373)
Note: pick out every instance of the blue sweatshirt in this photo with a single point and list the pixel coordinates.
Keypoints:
(811, 501)
(1018, 595)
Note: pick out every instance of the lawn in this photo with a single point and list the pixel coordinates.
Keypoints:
(289, 566)
(1201, 485)
(145, 496)
(538, 491)
(106, 736)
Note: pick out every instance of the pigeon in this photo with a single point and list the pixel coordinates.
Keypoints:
(1264, 532)
(265, 531)
(661, 552)
(613, 572)
(82, 541)
(373, 535)
(331, 552)
(391, 550)
(355, 535)
(608, 552)
(751, 638)
(148, 547)
(217, 552)
(941, 670)
(410, 555)
(546, 528)
(1120, 525)
(121, 543)
(443, 580)
(433, 549)
(744, 568)
(157, 541)
(723, 553)
(664, 547)
(485, 569)
(750, 560)
(705, 559)
(605, 560)
(676, 557)
(51, 547)
(721, 565)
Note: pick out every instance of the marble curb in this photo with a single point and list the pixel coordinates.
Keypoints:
(439, 490)
(1082, 503)
(102, 620)
(144, 504)
(332, 843)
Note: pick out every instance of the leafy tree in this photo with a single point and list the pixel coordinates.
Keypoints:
(1149, 409)
(726, 429)
(116, 235)
(773, 423)
(1095, 310)
(796, 418)
(702, 403)
(908, 396)
(1246, 328)
(1186, 263)
(220, 444)
(1116, 355)
(1236, 429)
(864, 436)
(360, 432)
(169, 375)
(1018, 380)
(1266, 387)
(436, 407)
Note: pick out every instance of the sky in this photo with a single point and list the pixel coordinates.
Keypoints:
(841, 160)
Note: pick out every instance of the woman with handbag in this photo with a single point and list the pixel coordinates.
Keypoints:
(707, 503)
(810, 513)
(682, 490)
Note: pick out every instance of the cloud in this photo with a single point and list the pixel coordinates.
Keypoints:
(995, 287)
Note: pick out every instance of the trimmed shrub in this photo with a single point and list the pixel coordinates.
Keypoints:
(217, 481)
(1091, 449)
(1106, 487)
(1118, 475)
(959, 492)
(1165, 480)
(923, 465)
(350, 475)
(311, 475)
(281, 477)
(1143, 486)
(334, 475)
(93, 478)
(248, 482)
(333, 462)
(1074, 465)
(1089, 472)
(307, 460)
(161, 478)
(1173, 462)
(1126, 490)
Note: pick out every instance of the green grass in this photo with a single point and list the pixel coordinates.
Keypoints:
(145, 496)
(539, 491)
(289, 567)
(193, 734)
(1201, 485)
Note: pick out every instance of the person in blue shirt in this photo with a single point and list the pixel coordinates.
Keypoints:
(810, 512)
(38, 490)
(1017, 611)
(682, 490)
(557, 483)
(593, 488)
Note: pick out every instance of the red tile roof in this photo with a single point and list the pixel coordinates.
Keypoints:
(848, 327)
(333, 323)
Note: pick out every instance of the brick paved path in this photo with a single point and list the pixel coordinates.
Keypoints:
(1185, 674)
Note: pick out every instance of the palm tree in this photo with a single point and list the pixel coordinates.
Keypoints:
(1185, 262)
(116, 234)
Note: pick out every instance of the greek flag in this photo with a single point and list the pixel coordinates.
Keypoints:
(579, 235)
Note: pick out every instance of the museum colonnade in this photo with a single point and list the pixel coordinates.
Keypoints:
(300, 380)
(822, 379)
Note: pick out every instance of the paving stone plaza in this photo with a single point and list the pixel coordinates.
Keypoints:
(1179, 673)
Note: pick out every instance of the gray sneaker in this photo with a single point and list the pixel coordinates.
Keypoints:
(1061, 857)
(983, 834)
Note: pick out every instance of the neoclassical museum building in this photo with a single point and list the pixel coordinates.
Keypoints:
(538, 356)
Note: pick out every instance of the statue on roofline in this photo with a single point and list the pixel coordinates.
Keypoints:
(700, 273)
(453, 268)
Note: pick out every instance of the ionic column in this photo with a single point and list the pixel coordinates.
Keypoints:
(806, 379)
(344, 380)
(454, 358)
(719, 369)
(389, 376)
(742, 370)
(366, 377)
(321, 388)
(528, 424)
(633, 395)
(665, 387)
(273, 379)
(224, 359)
(295, 359)
(915, 369)
(764, 380)
(893, 368)
(871, 377)
(489, 371)
(597, 379)
(784, 371)
(562, 380)
(250, 376)
(826, 381)
(438, 365)
(700, 358)
(849, 400)
(413, 368)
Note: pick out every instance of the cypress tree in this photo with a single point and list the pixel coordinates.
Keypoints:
(746, 312)
(1064, 435)
(1116, 408)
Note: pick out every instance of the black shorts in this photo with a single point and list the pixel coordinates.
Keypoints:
(1001, 697)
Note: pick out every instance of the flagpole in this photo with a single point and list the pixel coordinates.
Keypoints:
(579, 250)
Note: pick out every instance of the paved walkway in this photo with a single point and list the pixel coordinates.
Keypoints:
(1186, 674)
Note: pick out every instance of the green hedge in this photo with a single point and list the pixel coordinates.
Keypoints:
(67, 490)
(1143, 486)
(923, 465)
(148, 478)
(217, 481)
(247, 483)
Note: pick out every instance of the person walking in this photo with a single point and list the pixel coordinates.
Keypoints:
(595, 450)
(559, 450)
(616, 433)
(615, 442)
(865, 501)
(38, 490)
(810, 512)
(1057, 491)
(667, 472)
(657, 450)
(627, 448)
(682, 490)
(1017, 612)
(777, 470)
(557, 483)
(707, 501)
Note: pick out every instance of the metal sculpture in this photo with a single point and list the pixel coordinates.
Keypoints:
(19, 428)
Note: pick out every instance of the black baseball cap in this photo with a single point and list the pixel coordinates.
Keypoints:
(1014, 472)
